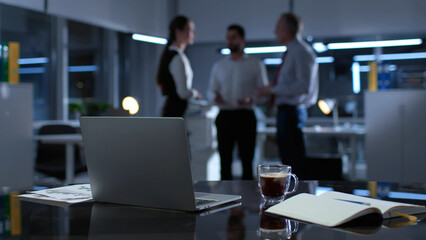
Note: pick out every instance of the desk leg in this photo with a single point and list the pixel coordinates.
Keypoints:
(260, 139)
(69, 168)
(354, 157)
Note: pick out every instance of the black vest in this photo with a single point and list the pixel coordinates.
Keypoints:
(164, 77)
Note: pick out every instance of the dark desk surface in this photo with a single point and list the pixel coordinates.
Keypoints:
(110, 221)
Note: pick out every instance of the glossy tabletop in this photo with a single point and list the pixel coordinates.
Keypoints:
(244, 220)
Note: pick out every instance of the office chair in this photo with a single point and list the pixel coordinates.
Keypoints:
(50, 158)
(320, 168)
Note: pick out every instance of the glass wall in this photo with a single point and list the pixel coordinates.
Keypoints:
(124, 55)
(33, 32)
(336, 76)
(86, 83)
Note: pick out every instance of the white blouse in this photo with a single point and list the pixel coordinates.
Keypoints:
(181, 70)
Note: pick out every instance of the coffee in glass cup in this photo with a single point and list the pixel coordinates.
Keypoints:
(274, 181)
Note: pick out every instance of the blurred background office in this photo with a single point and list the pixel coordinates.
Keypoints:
(84, 57)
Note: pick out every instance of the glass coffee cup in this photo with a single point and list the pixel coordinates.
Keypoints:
(274, 182)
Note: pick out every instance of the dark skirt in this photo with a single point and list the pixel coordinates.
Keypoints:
(174, 107)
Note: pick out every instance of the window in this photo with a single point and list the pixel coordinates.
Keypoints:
(32, 31)
(86, 82)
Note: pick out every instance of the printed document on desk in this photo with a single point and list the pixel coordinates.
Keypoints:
(61, 196)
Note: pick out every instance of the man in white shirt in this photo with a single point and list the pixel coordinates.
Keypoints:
(295, 89)
(233, 83)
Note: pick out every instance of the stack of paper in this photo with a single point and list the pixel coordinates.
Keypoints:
(62, 196)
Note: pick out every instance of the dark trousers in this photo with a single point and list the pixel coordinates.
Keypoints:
(291, 145)
(174, 107)
(236, 126)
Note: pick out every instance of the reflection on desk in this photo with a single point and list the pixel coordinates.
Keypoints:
(123, 221)
(275, 227)
(111, 221)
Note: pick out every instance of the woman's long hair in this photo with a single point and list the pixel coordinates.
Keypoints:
(179, 22)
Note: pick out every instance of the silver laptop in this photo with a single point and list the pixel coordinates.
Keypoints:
(143, 162)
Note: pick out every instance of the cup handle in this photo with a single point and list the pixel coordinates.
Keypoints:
(296, 182)
(296, 226)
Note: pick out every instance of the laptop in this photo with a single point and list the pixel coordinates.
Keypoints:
(143, 162)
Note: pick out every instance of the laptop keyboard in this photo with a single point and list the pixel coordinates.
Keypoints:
(200, 201)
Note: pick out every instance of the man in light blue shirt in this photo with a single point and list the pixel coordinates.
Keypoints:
(295, 89)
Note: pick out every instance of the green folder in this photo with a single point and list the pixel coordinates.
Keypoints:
(4, 62)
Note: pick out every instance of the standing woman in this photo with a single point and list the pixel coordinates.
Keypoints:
(174, 76)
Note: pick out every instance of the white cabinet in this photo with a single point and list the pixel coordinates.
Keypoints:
(395, 146)
(37, 5)
(200, 137)
(16, 136)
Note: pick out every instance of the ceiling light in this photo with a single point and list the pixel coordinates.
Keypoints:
(356, 78)
(88, 68)
(406, 195)
(257, 50)
(225, 51)
(319, 47)
(324, 59)
(272, 61)
(395, 56)
(39, 60)
(33, 70)
(150, 39)
(277, 61)
(374, 44)
(366, 68)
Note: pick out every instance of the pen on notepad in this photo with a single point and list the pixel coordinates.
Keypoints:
(362, 203)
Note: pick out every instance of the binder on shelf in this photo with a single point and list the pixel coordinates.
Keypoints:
(4, 62)
(1, 217)
(9, 66)
(15, 215)
(10, 215)
(1, 80)
(372, 77)
(6, 214)
(13, 62)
